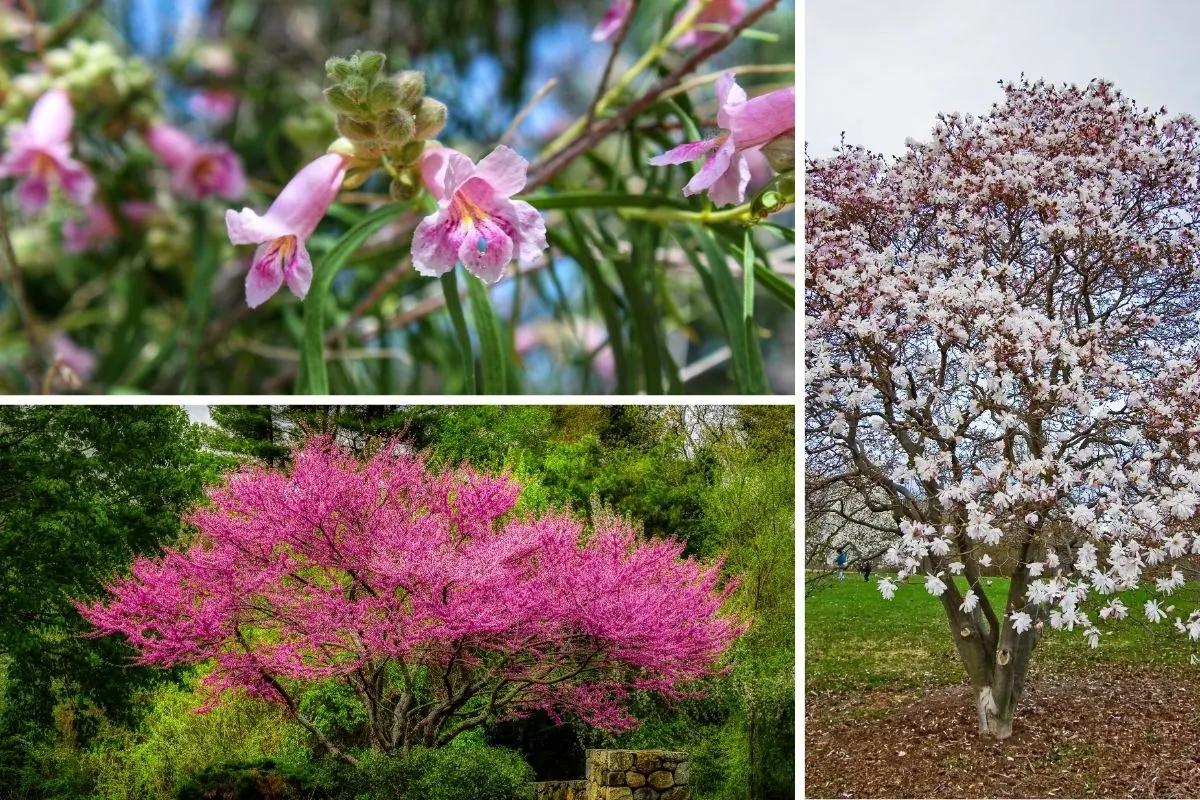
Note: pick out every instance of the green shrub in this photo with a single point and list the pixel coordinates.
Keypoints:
(248, 780)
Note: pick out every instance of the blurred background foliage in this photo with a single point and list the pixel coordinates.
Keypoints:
(620, 304)
(77, 721)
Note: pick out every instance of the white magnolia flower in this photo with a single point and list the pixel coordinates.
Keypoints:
(1093, 637)
(934, 585)
(985, 560)
(969, 602)
(956, 567)
(1021, 621)
(1153, 612)
(887, 588)
(1115, 609)
(1035, 568)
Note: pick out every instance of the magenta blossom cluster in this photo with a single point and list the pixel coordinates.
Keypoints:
(339, 567)
(197, 170)
(40, 155)
(747, 125)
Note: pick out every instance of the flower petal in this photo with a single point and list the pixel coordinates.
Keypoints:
(77, 183)
(247, 227)
(762, 119)
(173, 146)
(265, 276)
(532, 227)
(730, 97)
(50, 119)
(297, 269)
(443, 169)
(33, 194)
(688, 151)
(612, 20)
(503, 170)
(712, 170)
(302, 204)
(730, 187)
(436, 242)
(486, 250)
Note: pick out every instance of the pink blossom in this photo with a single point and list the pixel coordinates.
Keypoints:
(98, 225)
(281, 232)
(217, 105)
(41, 150)
(197, 170)
(612, 20)
(477, 222)
(746, 125)
(80, 360)
(717, 12)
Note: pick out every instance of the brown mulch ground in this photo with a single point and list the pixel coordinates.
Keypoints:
(1115, 732)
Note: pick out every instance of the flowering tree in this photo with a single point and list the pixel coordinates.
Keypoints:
(587, 238)
(1002, 355)
(426, 593)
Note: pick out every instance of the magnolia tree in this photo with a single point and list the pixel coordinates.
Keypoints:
(425, 592)
(1001, 352)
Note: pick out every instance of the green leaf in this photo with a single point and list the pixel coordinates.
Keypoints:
(313, 377)
(563, 200)
(459, 320)
(487, 327)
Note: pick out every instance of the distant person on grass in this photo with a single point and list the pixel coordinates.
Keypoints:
(842, 560)
(866, 569)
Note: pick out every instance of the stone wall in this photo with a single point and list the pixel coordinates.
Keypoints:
(560, 790)
(637, 775)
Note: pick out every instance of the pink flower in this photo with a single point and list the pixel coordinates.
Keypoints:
(217, 105)
(612, 20)
(477, 222)
(41, 150)
(747, 126)
(79, 360)
(282, 231)
(197, 170)
(98, 225)
(717, 12)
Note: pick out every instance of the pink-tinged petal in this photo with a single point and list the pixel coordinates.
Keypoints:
(503, 170)
(758, 121)
(716, 166)
(50, 120)
(302, 204)
(215, 172)
(78, 359)
(486, 250)
(138, 211)
(730, 188)
(688, 151)
(436, 242)
(217, 105)
(81, 235)
(436, 163)
(721, 12)
(247, 227)
(532, 228)
(730, 97)
(33, 194)
(612, 20)
(174, 147)
(77, 183)
(17, 162)
(265, 276)
(297, 269)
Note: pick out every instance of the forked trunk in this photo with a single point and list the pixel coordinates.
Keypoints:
(995, 720)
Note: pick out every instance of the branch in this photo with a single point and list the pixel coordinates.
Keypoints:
(587, 139)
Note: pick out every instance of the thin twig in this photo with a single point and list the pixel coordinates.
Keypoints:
(511, 131)
(64, 29)
(12, 271)
(612, 59)
(545, 171)
(34, 31)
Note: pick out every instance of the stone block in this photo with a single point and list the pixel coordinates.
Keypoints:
(683, 774)
(620, 759)
(645, 793)
(635, 779)
(648, 761)
(614, 779)
(618, 793)
(677, 793)
(661, 779)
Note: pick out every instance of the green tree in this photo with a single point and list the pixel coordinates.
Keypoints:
(82, 491)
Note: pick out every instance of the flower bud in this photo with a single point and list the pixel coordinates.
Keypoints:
(356, 88)
(356, 177)
(338, 69)
(384, 97)
(409, 153)
(411, 85)
(781, 152)
(431, 118)
(343, 147)
(341, 102)
(370, 63)
(397, 126)
(405, 186)
(356, 128)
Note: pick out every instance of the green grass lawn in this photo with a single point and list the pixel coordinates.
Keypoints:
(854, 639)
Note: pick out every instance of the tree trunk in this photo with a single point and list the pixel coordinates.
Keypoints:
(995, 719)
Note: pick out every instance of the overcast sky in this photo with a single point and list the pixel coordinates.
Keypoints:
(881, 70)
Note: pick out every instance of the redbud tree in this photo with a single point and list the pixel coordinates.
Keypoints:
(1001, 354)
(442, 607)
